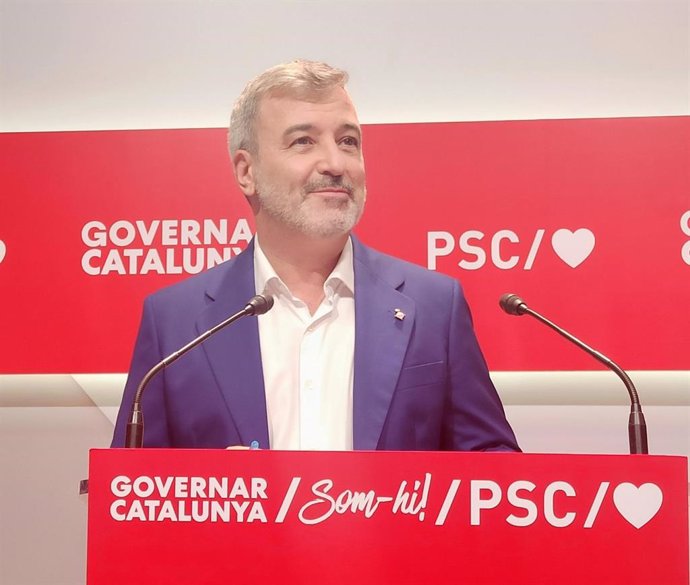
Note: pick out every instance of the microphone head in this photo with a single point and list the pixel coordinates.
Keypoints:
(259, 304)
(513, 304)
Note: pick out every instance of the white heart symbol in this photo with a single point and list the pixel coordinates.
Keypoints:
(638, 505)
(3, 250)
(573, 247)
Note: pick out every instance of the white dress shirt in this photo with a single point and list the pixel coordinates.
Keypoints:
(308, 360)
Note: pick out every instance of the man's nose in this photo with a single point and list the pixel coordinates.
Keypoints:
(331, 160)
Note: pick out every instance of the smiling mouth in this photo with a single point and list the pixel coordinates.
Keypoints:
(333, 194)
(331, 191)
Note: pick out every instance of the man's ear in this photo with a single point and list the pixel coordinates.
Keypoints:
(243, 167)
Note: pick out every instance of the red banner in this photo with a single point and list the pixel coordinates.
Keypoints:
(588, 220)
(184, 516)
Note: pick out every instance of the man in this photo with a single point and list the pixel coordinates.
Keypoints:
(360, 351)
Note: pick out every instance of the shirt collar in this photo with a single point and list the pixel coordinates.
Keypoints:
(266, 278)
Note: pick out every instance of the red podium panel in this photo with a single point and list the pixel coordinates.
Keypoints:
(193, 516)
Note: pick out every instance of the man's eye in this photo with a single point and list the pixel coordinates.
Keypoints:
(302, 141)
(350, 141)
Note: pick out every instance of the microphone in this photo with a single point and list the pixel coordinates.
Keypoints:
(134, 438)
(637, 428)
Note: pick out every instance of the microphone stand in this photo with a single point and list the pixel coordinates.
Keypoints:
(637, 427)
(134, 436)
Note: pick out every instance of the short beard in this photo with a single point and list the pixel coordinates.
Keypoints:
(328, 220)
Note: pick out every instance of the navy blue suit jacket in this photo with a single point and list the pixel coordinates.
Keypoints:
(420, 383)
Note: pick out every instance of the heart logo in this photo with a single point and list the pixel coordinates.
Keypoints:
(573, 247)
(638, 505)
(3, 251)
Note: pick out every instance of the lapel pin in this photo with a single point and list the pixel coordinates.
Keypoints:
(398, 314)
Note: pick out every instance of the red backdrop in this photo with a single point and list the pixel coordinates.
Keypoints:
(588, 220)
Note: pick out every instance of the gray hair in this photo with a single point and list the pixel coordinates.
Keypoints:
(298, 78)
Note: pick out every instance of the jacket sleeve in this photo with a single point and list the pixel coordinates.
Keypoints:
(474, 418)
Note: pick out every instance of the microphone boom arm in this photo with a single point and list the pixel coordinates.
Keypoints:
(134, 436)
(637, 427)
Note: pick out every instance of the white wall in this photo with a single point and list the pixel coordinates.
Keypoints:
(81, 65)
(113, 64)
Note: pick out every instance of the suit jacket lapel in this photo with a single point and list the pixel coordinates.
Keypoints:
(234, 353)
(381, 342)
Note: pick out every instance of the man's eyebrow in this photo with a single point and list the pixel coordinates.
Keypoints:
(298, 128)
(308, 127)
(354, 128)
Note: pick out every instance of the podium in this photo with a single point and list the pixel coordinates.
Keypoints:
(215, 516)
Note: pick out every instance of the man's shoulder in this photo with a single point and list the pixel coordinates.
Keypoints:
(198, 285)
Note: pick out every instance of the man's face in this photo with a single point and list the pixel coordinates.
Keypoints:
(308, 171)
